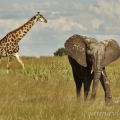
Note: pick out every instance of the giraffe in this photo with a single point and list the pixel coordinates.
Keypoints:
(9, 44)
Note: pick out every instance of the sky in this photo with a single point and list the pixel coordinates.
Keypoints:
(99, 19)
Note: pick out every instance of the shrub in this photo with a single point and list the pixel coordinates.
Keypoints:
(60, 52)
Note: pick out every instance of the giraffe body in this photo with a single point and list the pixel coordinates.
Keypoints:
(9, 44)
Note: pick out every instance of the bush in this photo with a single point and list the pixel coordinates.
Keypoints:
(60, 52)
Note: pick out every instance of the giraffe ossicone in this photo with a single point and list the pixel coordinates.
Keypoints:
(9, 44)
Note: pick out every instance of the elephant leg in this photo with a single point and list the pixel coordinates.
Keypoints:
(103, 85)
(78, 83)
(87, 87)
(106, 87)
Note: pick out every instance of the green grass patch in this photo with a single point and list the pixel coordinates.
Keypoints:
(45, 90)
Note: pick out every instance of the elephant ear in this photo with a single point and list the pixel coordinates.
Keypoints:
(75, 47)
(112, 51)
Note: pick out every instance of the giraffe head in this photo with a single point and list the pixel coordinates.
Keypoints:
(40, 18)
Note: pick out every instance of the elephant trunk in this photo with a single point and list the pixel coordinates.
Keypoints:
(97, 75)
(98, 70)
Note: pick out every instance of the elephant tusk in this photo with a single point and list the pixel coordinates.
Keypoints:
(91, 71)
(103, 73)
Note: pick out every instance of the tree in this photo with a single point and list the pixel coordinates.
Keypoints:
(60, 52)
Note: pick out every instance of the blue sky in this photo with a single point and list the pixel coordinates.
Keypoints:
(94, 18)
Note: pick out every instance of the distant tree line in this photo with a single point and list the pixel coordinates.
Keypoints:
(60, 52)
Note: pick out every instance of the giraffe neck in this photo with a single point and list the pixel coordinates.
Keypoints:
(20, 32)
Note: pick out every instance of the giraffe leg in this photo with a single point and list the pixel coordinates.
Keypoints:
(19, 60)
(8, 63)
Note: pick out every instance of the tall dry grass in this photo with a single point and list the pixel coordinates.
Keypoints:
(45, 90)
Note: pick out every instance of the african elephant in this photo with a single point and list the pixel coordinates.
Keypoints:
(88, 59)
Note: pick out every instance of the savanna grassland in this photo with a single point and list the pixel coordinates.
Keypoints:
(45, 90)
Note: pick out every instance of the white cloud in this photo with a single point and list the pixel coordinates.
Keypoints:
(96, 23)
(106, 8)
(105, 37)
(63, 25)
(11, 24)
(109, 12)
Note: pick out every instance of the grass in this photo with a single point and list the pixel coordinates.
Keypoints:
(45, 90)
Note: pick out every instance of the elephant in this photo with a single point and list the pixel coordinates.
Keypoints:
(88, 59)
